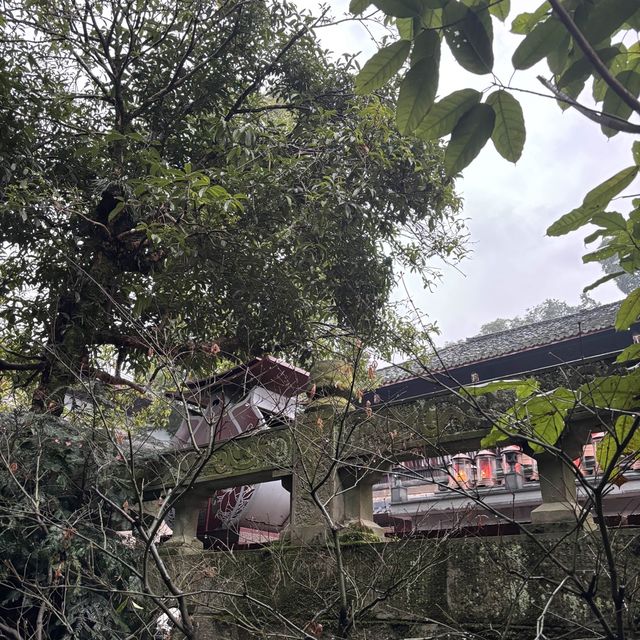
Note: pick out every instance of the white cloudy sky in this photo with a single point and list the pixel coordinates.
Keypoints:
(513, 265)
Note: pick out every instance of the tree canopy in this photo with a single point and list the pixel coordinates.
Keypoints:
(196, 180)
(546, 310)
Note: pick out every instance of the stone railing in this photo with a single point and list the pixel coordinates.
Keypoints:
(333, 454)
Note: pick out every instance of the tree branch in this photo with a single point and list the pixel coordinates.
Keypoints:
(107, 378)
(604, 119)
(222, 345)
(591, 55)
(20, 366)
(267, 70)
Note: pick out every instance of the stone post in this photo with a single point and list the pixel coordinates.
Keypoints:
(320, 479)
(559, 495)
(357, 496)
(185, 524)
(315, 476)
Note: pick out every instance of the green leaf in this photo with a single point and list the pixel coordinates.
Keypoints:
(470, 37)
(405, 28)
(573, 90)
(432, 19)
(632, 352)
(523, 388)
(547, 429)
(525, 22)
(445, 114)
(592, 237)
(559, 56)
(572, 221)
(635, 149)
(581, 69)
(611, 220)
(356, 7)
(610, 447)
(426, 45)
(509, 132)
(602, 195)
(115, 212)
(629, 310)
(468, 137)
(418, 89)
(500, 9)
(634, 21)
(599, 281)
(611, 392)
(614, 105)
(400, 8)
(382, 66)
(538, 44)
(601, 254)
(605, 17)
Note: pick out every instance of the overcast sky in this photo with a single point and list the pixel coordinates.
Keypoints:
(513, 265)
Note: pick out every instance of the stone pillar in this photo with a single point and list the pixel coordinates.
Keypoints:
(185, 524)
(559, 495)
(321, 480)
(357, 497)
(314, 473)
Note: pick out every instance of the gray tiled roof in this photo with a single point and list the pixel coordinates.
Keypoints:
(502, 343)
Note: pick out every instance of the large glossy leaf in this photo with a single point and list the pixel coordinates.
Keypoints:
(400, 8)
(612, 392)
(602, 195)
(614, 105)
(405, 28)
(629, 310)
(543, 39)
(610, 220)
(500, 9)
(547, 429)
(382, 66)
(358, 6)
(444, 115)
(418, 90)
(605, 17)
(625, 438)
(599, 281)
(470, 36)
(572, 221)
(525, 22)
(468, 137)
(417, 93)
(509, 132)
(630, 354)
(635, 149)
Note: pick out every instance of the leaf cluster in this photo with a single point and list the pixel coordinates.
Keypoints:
(579, 41)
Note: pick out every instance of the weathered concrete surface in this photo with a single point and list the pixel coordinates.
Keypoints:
(409, 589)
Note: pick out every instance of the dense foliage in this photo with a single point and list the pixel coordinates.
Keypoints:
(193, 179)
(65, 574)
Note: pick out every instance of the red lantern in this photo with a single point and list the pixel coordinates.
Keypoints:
(486, 468)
